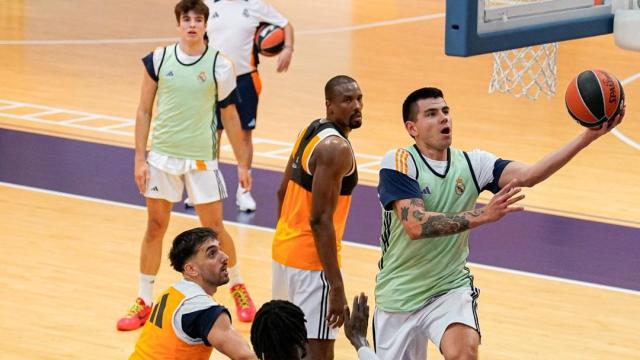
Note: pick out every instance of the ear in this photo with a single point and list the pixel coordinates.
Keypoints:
(327, 104)
(411, 128)
(190, 269)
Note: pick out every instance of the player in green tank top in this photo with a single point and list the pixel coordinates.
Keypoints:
(184, 125)
(428, 192)
(188, 80)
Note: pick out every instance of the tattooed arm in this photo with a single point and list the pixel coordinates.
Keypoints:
(420, 223)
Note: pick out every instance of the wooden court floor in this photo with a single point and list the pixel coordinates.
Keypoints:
(69, 268)
(69, 265)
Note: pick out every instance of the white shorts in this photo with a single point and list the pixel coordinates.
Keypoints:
(404, 335)
(309, 290)
(203, 186)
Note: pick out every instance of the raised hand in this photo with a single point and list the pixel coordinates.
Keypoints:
(501, 203)
(355, 325)
(607, 125)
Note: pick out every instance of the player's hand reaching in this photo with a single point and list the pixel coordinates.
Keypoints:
(284, 59)
(356, 323)
(607, 126)
(501, 203)
(337, 303)
(141, 175)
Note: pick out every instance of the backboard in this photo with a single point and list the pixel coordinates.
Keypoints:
(476, 27)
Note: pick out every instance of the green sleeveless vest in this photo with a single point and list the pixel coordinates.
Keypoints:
(412, 271)
(185, 122)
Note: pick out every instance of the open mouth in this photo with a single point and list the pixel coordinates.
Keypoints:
(446, 131)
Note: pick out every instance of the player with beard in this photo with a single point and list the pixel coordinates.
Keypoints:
(186, 323)
(313, 204)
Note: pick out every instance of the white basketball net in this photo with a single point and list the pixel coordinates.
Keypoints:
(526, 72)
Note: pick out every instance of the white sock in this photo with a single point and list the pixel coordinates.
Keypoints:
(234, 276)
(145, 287)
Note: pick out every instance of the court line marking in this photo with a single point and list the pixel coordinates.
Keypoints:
(281, 153)
(173, 39)
(348, 243)
(625, 139)
(370, 167)
(616, 132)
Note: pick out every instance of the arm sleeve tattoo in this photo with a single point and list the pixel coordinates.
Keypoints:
(441, 224)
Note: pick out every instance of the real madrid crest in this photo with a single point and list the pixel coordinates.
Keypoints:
(202, 76)
(459, 186)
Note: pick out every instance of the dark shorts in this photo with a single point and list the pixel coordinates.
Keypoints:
(248, 87)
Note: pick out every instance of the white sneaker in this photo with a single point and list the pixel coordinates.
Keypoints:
(244, 200)
(187, 203)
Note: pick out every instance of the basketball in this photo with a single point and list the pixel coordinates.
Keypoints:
(269, 39)
(593, 97)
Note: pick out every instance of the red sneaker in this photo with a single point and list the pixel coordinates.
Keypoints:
(138, 314)
(245, 308)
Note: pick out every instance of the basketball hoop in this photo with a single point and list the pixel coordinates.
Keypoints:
(528, 71)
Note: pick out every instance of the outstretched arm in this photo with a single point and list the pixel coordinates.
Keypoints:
(419, 223)
(330, 161)
(530, 175)
(225, 339)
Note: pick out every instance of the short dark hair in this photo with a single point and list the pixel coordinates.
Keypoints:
(186, 245)
(333, 83)
(198, 7)
(278, 331)
(410, 104)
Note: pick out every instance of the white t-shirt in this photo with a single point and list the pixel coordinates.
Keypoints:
(232, 25)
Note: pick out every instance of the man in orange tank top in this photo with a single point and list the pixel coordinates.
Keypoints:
(186, 323)
(313, 203)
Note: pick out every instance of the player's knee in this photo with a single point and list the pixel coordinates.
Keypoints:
(460, 342)
(465, 351)
(246, 135)
(156, 228)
